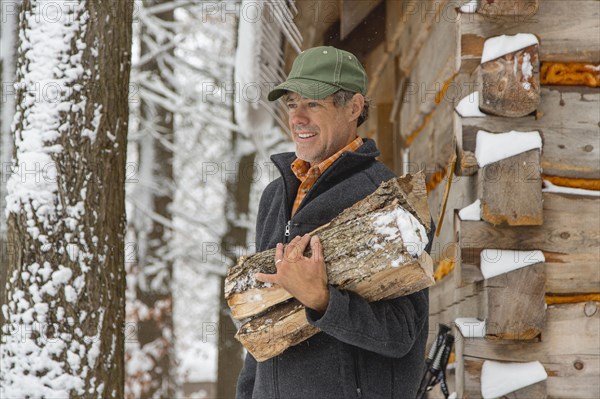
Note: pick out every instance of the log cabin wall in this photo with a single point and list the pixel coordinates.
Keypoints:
(423, 57)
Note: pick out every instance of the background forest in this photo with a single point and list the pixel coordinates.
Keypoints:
(197, 141)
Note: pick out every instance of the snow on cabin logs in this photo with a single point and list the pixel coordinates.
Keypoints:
(510, 75)
(501, 378)
(374, 248)
(468, 107)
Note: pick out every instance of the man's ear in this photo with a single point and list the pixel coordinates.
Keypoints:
(357, 104)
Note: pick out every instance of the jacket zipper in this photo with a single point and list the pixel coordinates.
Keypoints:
(356, 374)
(287, 230)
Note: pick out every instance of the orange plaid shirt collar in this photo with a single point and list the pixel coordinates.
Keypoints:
(308, 175)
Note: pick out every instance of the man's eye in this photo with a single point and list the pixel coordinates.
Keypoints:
(292, 106)
(313, 105)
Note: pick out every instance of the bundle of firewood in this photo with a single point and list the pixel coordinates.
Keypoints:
(374, 248)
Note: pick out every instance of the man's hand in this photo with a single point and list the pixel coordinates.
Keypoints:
(304, 278)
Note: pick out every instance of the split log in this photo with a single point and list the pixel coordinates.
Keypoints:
(350, 236)
(511, 190)
(511, 83)
(285, 325)
(364, 253)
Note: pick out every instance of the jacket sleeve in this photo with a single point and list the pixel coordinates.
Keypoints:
(245, 383)
(389, 327)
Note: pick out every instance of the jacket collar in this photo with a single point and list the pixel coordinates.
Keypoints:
(349, 160)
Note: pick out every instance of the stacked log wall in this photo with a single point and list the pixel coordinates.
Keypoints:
(430, 60)
(441, 66)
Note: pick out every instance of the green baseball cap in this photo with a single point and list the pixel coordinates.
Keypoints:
(321, 71)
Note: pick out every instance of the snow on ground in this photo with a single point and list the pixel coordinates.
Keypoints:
(196, 324)
(471, 212)
(498, 46)
(493, 147)
(498, 261)
(468, 107)
(500, 378)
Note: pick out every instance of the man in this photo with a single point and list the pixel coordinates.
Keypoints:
(369, 350)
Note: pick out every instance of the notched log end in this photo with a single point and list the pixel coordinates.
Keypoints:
(511, 84)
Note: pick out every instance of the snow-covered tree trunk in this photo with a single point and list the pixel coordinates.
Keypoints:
(9, 13)
(66, 217)
(151, 367)
(237, 208)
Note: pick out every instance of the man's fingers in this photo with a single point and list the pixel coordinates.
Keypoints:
(266, 278)
(317, 248)
(295, 249)
(304, 241)
(278, 253)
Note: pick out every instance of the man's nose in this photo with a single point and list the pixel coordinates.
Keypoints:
(299, 116)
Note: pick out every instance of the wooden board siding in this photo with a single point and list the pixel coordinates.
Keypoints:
(431, 72)
(432, 148)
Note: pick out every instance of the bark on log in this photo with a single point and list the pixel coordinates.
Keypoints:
(354, 234)
(286, 325)
(511, 83)
(364, 253)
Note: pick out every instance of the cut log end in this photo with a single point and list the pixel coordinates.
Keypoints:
(511, 85)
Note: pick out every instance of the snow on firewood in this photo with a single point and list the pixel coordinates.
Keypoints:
(493, 147)
(400, 223)
(468, 107)
(498, 261)
(501, 378)
(471, 327)
(553, 188)
(471, 212)
(498, 46)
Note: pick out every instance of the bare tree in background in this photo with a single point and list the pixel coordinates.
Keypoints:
(150, 354)
(9, 14)
(237, 208)
(65, 303)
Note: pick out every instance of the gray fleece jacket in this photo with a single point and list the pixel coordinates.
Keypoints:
(369, 350)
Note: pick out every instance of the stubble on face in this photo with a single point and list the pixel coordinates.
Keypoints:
(331, 133)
